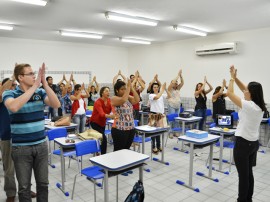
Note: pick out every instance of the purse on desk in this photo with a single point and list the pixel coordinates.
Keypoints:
(90, 134)
(64, 121)
(157, 120)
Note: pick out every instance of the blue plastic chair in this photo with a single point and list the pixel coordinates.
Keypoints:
(171, 121)
(57, 133)
(92, 173)
(209, 113)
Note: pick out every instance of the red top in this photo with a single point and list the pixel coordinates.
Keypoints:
(99, 111)
(76, 105)
(136, 106)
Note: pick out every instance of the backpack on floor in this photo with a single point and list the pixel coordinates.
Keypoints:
(137, 193)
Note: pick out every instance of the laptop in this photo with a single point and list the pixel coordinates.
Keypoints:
(224, 121)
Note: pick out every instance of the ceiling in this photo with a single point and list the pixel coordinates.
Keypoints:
(215, 16)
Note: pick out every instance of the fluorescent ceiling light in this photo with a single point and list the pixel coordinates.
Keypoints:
(130, 40)
(81, 34)
(189, 30)
(131, 19)
(34, 2)
(6, 27)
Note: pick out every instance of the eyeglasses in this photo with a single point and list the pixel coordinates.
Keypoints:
(29, 74)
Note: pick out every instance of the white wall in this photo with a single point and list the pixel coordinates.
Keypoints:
(103, 61)
(252, 61)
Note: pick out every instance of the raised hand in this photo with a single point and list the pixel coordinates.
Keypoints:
(94, 78)
(82, 87)
(205, 80)
(180, 72)
(71, 77)
(38, 79)
(119, 73)
(224, 83)
(42, 74)
(233, 72)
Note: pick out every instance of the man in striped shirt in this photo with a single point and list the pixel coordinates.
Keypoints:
(29, 146)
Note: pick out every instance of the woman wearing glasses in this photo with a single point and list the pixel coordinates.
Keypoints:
(79, 107)
(252, 108)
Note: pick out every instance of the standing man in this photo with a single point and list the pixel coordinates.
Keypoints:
(5, 143)
(29, 146)
(56, 90)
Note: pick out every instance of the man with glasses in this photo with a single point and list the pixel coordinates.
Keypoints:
(29, 146)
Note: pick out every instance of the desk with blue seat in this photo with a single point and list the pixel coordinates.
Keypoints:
(115, 162)
(149, 131)
(222, 133)
(193, 141)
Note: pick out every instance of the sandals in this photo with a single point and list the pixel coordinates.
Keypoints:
(155, 150)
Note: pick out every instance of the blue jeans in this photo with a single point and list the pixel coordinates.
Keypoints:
(172, 110)
(79, 119)
(26, 159)
(201, 113)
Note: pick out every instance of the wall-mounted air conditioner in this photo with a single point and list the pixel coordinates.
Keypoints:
(220, 48)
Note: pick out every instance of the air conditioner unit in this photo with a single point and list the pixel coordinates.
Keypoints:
(220, 48)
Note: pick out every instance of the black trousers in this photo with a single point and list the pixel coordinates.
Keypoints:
(122, 139)
(103, 146)
(245, 155)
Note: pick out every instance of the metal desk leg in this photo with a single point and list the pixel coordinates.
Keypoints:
(106, 186)
(62, 186)
(221, 140)
(210, 167)
(182, 143)
(143, 149)
(162, 153)
(191, 157)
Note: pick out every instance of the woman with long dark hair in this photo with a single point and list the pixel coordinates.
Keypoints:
(123, 127)
(200, 97)
(252, 108)
(218, 99)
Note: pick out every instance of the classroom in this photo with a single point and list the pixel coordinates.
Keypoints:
(114, 66)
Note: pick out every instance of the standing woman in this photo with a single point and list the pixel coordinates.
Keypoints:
(252, 108)
(218, 99)
(79, 107)
(200, 97)
(93, 92)
(156, 100)
(101, 111)
(123, 127)
(174, 88)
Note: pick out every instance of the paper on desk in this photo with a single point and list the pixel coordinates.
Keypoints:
(146, 128)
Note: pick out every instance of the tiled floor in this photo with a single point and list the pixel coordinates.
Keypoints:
(160, 183)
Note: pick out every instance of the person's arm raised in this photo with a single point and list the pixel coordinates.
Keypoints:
(117, 101)
(162, 89)
(239, 83)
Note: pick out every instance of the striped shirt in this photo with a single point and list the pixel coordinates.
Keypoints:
(27, 124)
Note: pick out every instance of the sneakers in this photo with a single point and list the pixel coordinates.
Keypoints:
(160, 149)
(155, 150)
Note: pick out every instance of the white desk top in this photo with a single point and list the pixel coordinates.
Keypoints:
(210, 138)
(191, 119)
(88, 115)
(61, 141)
(147, 128)
(47, 121)
(189, 110)
(119, 160)
(110, 121)
(72, 125)
(265, 120)
(220, 130)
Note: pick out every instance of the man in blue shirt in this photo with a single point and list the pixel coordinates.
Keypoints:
(5, 144)
(29, 146)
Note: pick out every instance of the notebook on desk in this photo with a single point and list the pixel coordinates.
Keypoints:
(224, 121)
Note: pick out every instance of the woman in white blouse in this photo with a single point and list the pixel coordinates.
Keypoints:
(251, 111)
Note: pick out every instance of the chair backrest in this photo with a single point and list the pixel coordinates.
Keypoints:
(212, 125)
(170, 117)
(87, 147)
(182, 109)
(235, 116)
(88, 112)
(56, 133)
(136, 122)
(208, 112)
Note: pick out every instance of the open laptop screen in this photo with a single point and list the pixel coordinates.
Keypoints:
(224, 121)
